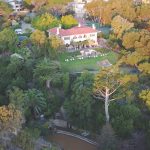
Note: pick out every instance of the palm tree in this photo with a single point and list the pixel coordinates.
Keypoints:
(46, 71)
(35, 102)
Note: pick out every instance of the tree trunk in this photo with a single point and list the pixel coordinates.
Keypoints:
(48, 84)
(106, 107)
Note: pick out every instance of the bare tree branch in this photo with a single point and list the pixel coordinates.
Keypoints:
(115, 90)
(102, 93)
(114, 99)
(98, 97)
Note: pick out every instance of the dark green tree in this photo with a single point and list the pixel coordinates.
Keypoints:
(108, 140)
(35, 103)
(8, 40)
(47, 71)
(79, 105)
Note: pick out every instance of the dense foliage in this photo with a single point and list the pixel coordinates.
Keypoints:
(113, 102)
(45, 22)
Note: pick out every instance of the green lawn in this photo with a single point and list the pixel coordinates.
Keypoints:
(85, 64)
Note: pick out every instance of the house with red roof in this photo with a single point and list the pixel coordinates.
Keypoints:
(75, 34)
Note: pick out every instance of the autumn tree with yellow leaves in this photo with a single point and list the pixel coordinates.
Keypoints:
(38, 38)
(45, 22)
(140, 43)
(11, 119)
(145, 96)
(39, 43)
(68, 21)
(120, 25)
(107, 82)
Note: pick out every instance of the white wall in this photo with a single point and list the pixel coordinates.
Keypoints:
(16, 5)
(80, 37)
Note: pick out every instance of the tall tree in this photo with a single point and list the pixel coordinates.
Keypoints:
(46, 71)
(35, 102)
(16, 97)
(120, 25)
(68, 21)
(104, 11)
(11, 119)
(55, 42)
(143, 12)
(56, 45)
(79, 106)
(129, 39)
(139, 58)
(45, 22)
(126, 9)
(8, 40)
(106, 84)
(145, 96)
(38, 38)
(5, 11)
(40, 43)
(96, 10)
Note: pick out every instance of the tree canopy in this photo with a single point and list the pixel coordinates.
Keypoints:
(8, 40)
(68, 21)
(45, 22)
(11, 119)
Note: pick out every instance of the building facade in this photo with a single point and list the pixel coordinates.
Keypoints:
(75, 34)
(16, 4)
(78, 7)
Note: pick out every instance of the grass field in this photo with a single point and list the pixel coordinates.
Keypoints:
(85, 64)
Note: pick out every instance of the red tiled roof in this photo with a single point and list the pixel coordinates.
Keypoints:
(73, 31)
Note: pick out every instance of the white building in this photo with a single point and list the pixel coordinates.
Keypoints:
(75, 34)
(78, 7)
(16, 4)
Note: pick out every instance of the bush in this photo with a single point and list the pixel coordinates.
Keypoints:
(16, 26)
(107, 138)
(148, 136)
(28, 31)
(102, 35)
(123, 118)
(24, 140)
(123, 127)
(27, 19)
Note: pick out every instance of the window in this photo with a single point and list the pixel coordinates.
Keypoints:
(66, 38)
(74, 37)
(92, 35)
(85, 36)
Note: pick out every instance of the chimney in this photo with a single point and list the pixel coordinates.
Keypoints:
(59, 26)
(93, 26)
(58, 29)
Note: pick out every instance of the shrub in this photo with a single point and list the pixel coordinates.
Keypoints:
(107, 138)
(27, 19)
